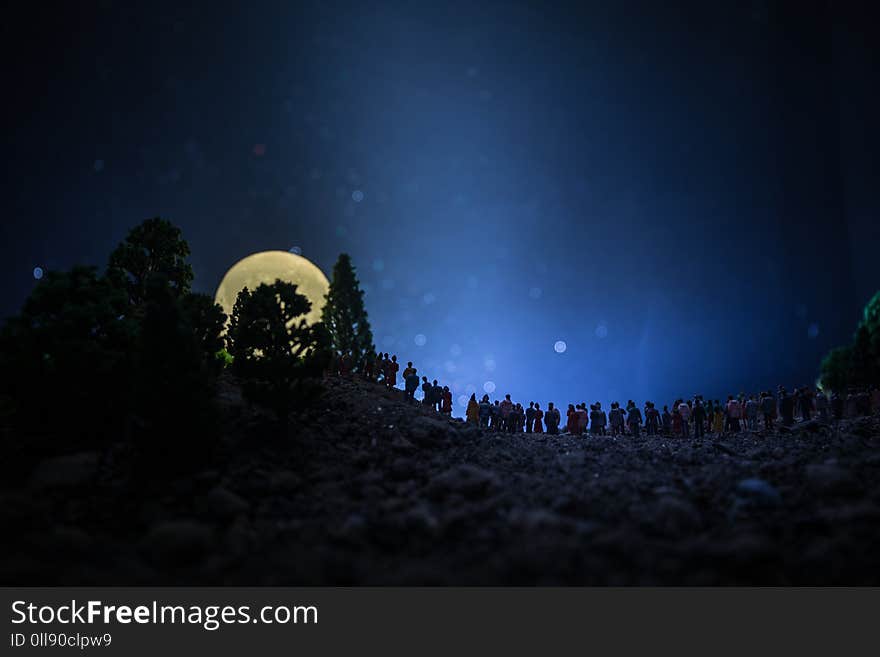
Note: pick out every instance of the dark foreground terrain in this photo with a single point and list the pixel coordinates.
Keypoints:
(366, 489)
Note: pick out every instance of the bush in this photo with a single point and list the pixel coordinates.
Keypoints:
(66, 358)
(859, 362)
(207, 320)
(835, 369)
(275, 352)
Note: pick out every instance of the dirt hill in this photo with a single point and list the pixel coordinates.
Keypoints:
(364, 488)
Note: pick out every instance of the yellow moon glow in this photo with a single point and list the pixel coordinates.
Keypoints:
(267, 267)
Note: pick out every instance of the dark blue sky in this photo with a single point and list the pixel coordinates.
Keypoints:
(685, 194)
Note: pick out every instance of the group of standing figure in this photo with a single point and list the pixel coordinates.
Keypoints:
(508, 417)
(695, 416)
(385, 368)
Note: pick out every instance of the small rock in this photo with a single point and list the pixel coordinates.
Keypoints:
(428, 431)
(830, 479)
(222, 504)
(402, 469)
(536, 520)
(353, 528)
(178, 542)
(402, 445)
(674, 516)
(285, 481)
(71, 540)
(69, 470)
(468, 480)
(420, 519)
(239, 538)
(757, 492)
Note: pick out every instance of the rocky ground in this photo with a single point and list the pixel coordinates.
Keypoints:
(367, 489)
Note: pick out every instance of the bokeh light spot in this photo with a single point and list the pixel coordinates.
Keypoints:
(813, 331)
(602, 331)
(357, 196)
(535, 292)
(489, 387)
(295, 250)
(38, 273)
(560, 347)
(420, 340)
(455, 350)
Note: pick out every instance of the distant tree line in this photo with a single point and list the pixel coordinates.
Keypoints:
(134, 354)
(858, 363)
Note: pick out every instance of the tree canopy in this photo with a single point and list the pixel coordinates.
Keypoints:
(275, 351)
(857, 363)
(345, 315)
(155, 247)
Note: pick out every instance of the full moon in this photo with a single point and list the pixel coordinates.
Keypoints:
(269, 266)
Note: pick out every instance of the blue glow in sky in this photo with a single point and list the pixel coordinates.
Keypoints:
(682, 194)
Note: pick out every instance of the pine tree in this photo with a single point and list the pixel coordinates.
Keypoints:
(345, 317)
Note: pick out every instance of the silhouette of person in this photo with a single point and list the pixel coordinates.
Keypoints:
(473, 410)
(822, 404)
(485, 411)
(386, 361)
(391, 376)
(571, 420)
(411, 383)
(595, 419)
(652, 419)
(530, 417)
(666, 418)
(685, 411)
(446, 401)
(786, 407)
(539, 415)
(436, 396)
(634, 418)
(768, 409)
(552, 419)
(699, 416)
(504, 408)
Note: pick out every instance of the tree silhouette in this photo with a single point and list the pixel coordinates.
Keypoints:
(66, 358)
(154, 247)
(345, 317)
(174, 389)
(275, 351)
(836, 368)
(859, 362)
(207, 320)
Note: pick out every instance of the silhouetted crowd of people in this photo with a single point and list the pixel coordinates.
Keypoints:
(695, 417)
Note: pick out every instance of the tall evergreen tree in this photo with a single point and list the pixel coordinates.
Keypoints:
(345, 317)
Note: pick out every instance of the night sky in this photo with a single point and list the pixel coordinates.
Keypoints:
(684, 194)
